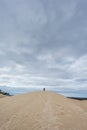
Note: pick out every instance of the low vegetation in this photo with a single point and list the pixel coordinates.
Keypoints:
(4, 93)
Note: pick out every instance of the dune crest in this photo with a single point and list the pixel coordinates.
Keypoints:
(41, 111)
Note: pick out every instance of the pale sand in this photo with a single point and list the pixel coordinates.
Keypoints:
(81, 103)
(42, 111)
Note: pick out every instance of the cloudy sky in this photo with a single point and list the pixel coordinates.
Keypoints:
(43, 43)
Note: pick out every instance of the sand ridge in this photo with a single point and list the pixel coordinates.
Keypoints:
(41, 111)
(2, 96)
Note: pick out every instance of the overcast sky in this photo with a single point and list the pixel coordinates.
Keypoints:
(43, 43)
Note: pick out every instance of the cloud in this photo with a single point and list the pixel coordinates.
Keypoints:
(43, 44)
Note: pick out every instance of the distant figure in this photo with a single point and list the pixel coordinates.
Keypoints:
(43, 89)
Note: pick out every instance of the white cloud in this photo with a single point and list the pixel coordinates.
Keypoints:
(79, 68)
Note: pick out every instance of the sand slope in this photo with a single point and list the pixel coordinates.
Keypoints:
(81, 103)
(41, 111)
(1, 95)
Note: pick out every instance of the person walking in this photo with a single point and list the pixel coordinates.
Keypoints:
(43, 89)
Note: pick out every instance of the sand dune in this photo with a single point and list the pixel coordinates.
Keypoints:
(41, 111)
(1, 96)
(81, 103)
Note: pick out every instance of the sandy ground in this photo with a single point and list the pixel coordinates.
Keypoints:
(1, 96)
(42, 111)
(80, 103)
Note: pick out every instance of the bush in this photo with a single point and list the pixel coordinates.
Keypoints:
(4, 93)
